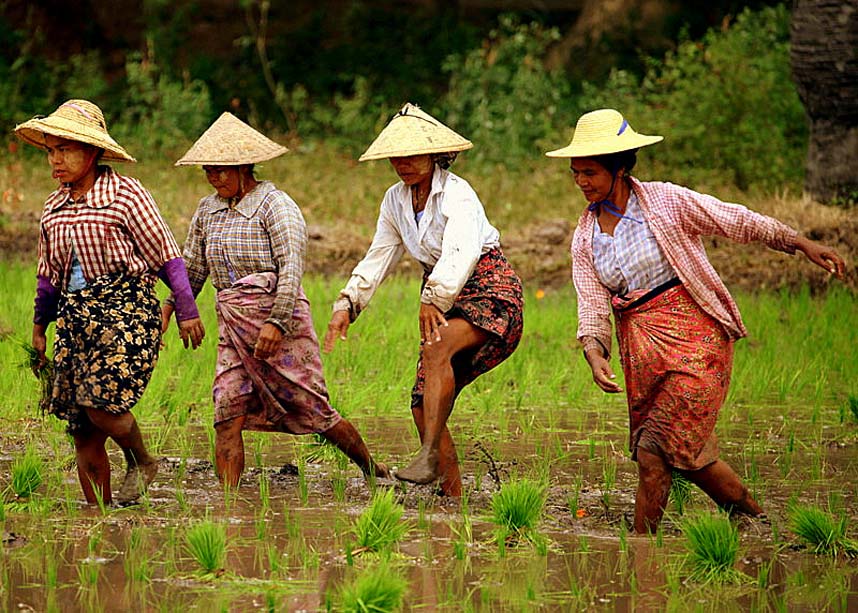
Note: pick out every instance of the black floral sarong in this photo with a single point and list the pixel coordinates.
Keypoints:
(492, 300)
(106, 346)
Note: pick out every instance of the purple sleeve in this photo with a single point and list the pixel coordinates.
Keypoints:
(47, 300)
(175, 276)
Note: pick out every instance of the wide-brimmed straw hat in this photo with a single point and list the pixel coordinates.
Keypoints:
(77, 120)
(602, 132)
(231, 142)
(413, 131)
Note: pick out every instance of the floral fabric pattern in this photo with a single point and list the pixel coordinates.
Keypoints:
(492, 300)
(677, 361)
(283, 393)
(106, 346)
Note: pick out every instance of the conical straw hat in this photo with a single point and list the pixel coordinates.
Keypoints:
(414, 132)
(77, 120)
(602, 132)
(231, 142)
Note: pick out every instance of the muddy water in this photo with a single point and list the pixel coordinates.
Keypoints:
(291, 555)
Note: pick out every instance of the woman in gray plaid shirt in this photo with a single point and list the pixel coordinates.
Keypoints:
(249, 238)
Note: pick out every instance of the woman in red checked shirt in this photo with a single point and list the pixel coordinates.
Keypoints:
(102, 242)
(637, 253)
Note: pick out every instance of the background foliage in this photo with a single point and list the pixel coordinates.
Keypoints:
(724, 100)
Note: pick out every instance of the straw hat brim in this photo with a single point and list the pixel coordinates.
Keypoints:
(231, 142)
(604, 147)
(413, 131)
(34, 131)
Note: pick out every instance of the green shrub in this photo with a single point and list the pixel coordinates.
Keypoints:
(726, 104)
(502, 97)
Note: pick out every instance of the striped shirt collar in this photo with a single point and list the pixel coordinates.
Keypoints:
(103, 191)
(248, 205)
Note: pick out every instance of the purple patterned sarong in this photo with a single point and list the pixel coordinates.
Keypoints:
(284, 393)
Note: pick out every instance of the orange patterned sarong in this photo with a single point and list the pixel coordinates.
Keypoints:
(677, 362)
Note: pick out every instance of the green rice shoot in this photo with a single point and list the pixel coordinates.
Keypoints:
(45, 374)
(206, 542)
(821, 531)
(375, 590)
(517, 510)
(380, 526)
(27, 474)
(713, 548)
(680, 492)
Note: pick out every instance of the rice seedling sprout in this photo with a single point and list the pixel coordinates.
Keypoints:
(380, 526)
(517, 510)
(821, 531)
(377, 590)
(713, 545)
(206, 542)
(27, 473)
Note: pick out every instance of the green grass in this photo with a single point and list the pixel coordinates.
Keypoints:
(821, 531)
(517, 510)
(206, 542)
(376, 590)
(380, 527)
(713, 548)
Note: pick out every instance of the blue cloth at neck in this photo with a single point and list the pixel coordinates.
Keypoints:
(612, 209)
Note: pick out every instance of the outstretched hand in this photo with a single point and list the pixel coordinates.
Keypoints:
(822, 256)
(338, 328)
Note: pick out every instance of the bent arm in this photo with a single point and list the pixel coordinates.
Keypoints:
(287, 233)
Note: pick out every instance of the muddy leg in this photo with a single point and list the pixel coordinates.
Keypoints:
(438, 395)
(348, 440)
(229, 451)
(723, 485)
(93, 465)
(654, 478)
(448, 460)
(140, 466)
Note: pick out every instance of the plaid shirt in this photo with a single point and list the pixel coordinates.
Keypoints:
(116, 228)
(630, 259)
(264, 232)
(678, 218)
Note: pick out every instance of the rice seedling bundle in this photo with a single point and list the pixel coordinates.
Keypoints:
(380, 526)
(821, 531)
(680, 492)
(517, 509)
(713, 545)
(27, 474)
(377, 590)
(206, 542)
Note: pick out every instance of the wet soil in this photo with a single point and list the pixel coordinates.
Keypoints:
(291, 552)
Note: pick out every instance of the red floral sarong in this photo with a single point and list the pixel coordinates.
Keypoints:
(285, 392)
(677, 361)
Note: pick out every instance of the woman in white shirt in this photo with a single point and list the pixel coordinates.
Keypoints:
(471, 301)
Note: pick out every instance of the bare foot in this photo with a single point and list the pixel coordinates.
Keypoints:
(423, 468)
(136, 482)
(381, 471)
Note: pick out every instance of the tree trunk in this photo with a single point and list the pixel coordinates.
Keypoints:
(824, 58)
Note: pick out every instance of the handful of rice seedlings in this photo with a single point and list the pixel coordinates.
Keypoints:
(44, 372)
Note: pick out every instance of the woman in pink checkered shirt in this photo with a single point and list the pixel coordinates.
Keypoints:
(637, 254)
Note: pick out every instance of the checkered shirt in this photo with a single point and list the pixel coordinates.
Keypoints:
(630, 259)
(116, 228)
(264, 232)
(678, 218)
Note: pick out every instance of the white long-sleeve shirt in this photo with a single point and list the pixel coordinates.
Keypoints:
(450, 237)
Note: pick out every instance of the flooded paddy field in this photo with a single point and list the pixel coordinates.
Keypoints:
(290, 536)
